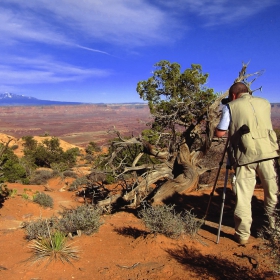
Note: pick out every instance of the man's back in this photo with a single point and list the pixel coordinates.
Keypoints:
(251, 134)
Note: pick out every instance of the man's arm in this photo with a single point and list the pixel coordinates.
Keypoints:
(223, 125)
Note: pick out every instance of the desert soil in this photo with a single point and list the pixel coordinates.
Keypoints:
(124, 249)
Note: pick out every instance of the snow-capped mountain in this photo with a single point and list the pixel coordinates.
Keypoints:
(11, 99)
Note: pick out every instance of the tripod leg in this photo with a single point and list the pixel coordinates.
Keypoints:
(216, 180)
(223, 202)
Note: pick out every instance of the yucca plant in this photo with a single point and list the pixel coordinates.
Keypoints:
(53, 248)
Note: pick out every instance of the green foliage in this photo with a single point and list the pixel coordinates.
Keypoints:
(14, 171)
(6, 192)
(85, 218)
(69, 157)
(163, 219)
(109, 179)
(59, 167)
(25, 196)
(29, 143)
(12, 192)
(49, 152)
(175, 97)
(79, 182)
(43, 199)
(92, 147)
(28, 165)
(151, 136)
(14, 147)
(53, 248)
(11, 168)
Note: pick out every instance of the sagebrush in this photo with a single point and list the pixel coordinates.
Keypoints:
(163, 219)
(43, 199)
(40, 228)
(41, 176)
(85, 218)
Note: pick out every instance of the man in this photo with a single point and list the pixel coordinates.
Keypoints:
(253, 149)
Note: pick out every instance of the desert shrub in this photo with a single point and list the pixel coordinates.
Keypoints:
(12, 192)
(14, 147)
(192, 224)
(11, 169)
(43, 199)
(89, 158)
(40, 228)
(71, 174)
(14, 172)
(49, 152)
(81, 181)
(25, 196)
(59, 167)
(271, 237)
(4, 191)
(92, 147)
(40, 177)
(109, 179)
(28, 166)
(69, 157)
(85, 218)
(53, 248)
(29, 142)
(163, 219)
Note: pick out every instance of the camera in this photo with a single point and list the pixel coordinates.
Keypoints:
(225, 101)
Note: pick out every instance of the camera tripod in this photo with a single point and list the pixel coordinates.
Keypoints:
(228, 167)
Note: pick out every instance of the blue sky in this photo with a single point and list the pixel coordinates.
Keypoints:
(97, 50)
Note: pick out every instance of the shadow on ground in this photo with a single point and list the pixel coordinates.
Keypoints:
(131, 232)
(197, 204)
(209, 266)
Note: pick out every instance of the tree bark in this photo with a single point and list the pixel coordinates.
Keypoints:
(186, 180)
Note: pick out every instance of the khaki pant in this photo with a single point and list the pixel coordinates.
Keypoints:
(245, 185)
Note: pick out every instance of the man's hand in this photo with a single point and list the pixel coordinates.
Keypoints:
(220, 133)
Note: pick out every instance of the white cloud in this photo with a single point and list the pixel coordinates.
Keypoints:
(123, 22)
(21, 70)
(15, 28)
(219, 12)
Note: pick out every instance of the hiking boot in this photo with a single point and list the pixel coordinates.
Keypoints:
(240, 240)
